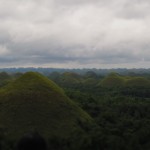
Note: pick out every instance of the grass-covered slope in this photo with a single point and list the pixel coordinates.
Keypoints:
(33, 102)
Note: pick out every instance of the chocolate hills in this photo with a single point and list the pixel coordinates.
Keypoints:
(33, 102)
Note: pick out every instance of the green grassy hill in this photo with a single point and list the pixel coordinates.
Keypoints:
(112, 80)
(138, 82)
(33, 102)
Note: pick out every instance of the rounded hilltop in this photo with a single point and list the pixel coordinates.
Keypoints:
(32, 81)
(33, 102)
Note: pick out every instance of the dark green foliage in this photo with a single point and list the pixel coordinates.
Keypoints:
(4, 78)
(120, 106)
(33, 102)
(55, 76)
(91, 74)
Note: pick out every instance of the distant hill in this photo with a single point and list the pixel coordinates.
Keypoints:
(33, 102)
(112, 80)
(47, 71)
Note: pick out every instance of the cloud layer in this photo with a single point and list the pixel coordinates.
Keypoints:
(75, 33)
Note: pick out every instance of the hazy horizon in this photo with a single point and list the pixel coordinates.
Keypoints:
(38, 67)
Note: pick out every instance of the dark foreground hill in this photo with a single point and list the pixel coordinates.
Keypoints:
(33, 102)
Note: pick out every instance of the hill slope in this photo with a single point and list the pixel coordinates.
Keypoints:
(33, 102)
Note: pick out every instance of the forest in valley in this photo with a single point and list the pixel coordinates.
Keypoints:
(118, 103)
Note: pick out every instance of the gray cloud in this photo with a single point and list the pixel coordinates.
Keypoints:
(75, 33)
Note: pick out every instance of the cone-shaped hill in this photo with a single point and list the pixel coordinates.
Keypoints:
(33, 102)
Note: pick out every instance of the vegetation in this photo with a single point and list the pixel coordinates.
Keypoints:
(90, 111)
(119, 104)
(33, 102)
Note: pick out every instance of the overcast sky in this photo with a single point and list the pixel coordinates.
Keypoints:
(75, 33)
